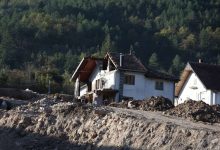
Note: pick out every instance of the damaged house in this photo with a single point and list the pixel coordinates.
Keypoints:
(120, 76)
(199, 81)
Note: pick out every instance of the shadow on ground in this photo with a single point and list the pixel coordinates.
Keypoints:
(18, 139)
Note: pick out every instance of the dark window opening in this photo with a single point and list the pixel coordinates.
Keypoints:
(129, 79)
(159, 85)
(89, 86)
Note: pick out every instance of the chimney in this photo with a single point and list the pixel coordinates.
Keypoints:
(200, 61)
(121, 59)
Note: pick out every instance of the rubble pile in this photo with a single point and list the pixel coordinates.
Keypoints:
(12, 98)
(156, 104)
(4, 104)
(216, 108)
(123, 104)
(152, 104)
(196, 110)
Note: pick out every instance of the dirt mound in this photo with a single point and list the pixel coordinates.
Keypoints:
(51, 123)
(5, 104)
(63, 97)
(196, 110)
(123, 104)
(216, 108)
(156, 104)
(152, 104)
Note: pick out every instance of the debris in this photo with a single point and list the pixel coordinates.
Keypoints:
(51, 123)
(4, 104)
(100, 112)
(156, 104)
(152, 104)
(196, 110)
(131, 105)
(123, 104)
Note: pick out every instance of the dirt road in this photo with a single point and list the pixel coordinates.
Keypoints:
(161, 118)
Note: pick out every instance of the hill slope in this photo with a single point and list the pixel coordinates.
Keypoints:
(41, 35)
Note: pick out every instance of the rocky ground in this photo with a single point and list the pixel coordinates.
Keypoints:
(56, 122)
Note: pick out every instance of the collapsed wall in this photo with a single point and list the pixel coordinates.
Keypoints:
(50, 124)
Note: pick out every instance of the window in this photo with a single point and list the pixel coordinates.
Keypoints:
(97, 84)
(159, 85)
(129, 79)
(89, 85)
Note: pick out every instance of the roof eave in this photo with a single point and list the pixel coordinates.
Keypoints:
(197, 76)
(161, 78)
(109, 56)
(76, 71)
(131, 70)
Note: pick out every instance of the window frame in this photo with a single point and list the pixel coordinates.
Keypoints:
(129, 79)
(159, 85)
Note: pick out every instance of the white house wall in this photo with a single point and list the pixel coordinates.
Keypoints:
(111, 78)
(138, 90)
(216, 98)
(168, 89)
(195, 90)
(83, 90)
(145, 88)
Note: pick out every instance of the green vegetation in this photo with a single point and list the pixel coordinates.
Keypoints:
(51, 36)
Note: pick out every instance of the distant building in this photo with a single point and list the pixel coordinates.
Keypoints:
(199, 81)
(120, 76)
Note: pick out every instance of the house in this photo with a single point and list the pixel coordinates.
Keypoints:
(199, 81)
(120, 76)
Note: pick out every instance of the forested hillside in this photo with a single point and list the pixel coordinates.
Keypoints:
(45, 39)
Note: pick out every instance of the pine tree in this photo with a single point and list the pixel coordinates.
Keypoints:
(177, 66)
(153, 61)
(218, 59)
(107, 45)
(8, 53)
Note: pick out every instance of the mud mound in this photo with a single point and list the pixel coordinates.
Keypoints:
(123, 104)
(63, 97)
(196, 110)
(216, 108)
(156, 104)
(51, 123)
(152, 104)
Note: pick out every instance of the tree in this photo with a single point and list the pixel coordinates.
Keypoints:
(189, 42)
(9, 54)
(218, 59)
(107, 45)
(3, 77)
(177, 65)
(71, 61)
(153, 61)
